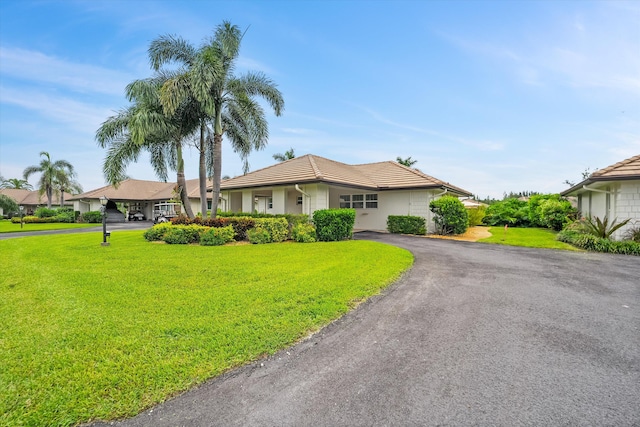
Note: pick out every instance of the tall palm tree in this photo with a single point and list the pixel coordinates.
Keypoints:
(144, 126)
(68, 184)
(287, 155)
(227, 103)
(51, 173)
(15, 184)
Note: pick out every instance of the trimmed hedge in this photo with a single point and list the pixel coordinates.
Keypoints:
(593, 243)
(277, 228)
(217, 236)
(334, 224)
(406, 224)
(91, 217)
(304, 233)
(451, 217)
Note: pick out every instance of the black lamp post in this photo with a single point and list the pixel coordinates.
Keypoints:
(21, 215)
(103, 209)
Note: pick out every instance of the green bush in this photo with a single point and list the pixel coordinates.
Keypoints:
(334, 224)
(278, 228)
(406, 224)
(554, 213)
(512, 211)
(304, 233)
(157, 232)
(45, 212)
(594, 243)
(65, 215)
(602, 228)
(476, 215)
(91, 217)
(258, 236)
(176, 236)
(217, 236)
(31, 219)
(633, 234)
(451, 216)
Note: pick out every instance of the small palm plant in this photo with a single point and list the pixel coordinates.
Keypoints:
(602, 228)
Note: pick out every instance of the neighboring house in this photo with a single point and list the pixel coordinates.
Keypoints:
(473, 204)
(309, 183)
(139, 197)
(612, 192)
(32, 200)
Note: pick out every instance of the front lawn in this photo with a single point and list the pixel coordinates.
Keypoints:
(91, 332)
(6, 226)
(529, 237)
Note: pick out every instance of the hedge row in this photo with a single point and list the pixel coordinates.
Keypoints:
(406, 224)
(593, 243)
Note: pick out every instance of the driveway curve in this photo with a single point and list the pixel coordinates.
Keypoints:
(473, 334)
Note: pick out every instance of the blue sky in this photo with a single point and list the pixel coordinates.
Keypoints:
(491, 96)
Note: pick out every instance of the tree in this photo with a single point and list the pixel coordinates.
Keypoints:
(51, 174)
(8, 205)
(288, 155)
(228, 103)
(144, 126)
(585, 174)
(15, 184)
(408, 162)
(68, 184)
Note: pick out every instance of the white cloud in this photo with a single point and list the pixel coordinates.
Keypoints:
(35, 66)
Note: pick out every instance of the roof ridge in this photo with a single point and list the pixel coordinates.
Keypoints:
(314, 166)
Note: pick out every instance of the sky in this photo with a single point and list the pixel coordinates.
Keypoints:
(490, 96)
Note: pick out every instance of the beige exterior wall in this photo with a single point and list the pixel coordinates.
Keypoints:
(627, 206)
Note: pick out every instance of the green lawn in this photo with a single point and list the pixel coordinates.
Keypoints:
(529, 237)
(91, 332)
(6, 226)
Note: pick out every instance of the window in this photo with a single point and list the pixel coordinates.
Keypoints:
(359, 201)
(299, 200)
(270, 203)
(372, 201)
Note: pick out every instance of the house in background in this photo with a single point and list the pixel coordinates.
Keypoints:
(309, 183)
(32, 200)
(143, 200)
(612, 192)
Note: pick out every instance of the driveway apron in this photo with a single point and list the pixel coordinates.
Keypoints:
(473, 334)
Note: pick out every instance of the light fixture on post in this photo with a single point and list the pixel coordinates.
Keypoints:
(103, 209)
(21, 215)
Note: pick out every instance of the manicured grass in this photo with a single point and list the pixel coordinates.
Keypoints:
(529, 237)
(6, 226)
(91, 332)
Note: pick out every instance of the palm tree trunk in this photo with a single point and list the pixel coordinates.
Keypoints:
(61, 198)
(49, 196)
(182, 183)
(217, 172)
(202, 173)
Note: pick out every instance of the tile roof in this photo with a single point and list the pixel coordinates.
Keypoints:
(624, 170)
(628, 169)
(132, 189)
(29, 197)
(310, 168)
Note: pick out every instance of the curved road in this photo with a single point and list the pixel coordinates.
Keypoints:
(474, 334)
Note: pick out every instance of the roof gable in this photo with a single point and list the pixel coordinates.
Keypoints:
(628, 169)
(131, 189)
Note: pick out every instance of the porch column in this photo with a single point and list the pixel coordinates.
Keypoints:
(279, 199)
(247, 201)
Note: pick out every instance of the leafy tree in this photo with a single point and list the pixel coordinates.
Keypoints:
(288, 155)
(510, 211)
(8, 205)
(228, 102)
(52, 173)
(144, 126)
(408, 162)
(15, 184)
(451, 217)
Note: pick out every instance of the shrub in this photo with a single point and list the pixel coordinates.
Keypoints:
(451, 216)
(511, 211)
(176, 236)
(45, 212)
(31, 219)
(593, 243)
(304, 233)
(278, 228)
(554, 214)
(157, 232)
(406, 224)
(241, 225)
(217, 236)
(91, 217)
(258, 236)
(633, 234)
(65, 215)
(476, 215)
(602, 228)
(181, 219)
(334, 224)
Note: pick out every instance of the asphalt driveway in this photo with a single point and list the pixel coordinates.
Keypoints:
(474, 334)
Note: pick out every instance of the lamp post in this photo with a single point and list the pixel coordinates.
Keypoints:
(103, 209)
(21, 215)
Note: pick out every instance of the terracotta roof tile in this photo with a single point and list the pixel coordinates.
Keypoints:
(29, 197)
(629, 168)
(132, 189)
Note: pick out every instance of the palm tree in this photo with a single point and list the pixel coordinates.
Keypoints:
(144, 126)
(288, 155)
(228, 103)
(51, 173)
(15, 184)
(68, 184)
(408, 162)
